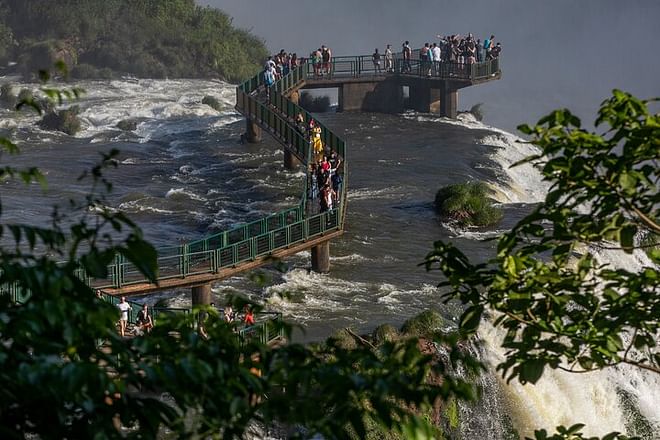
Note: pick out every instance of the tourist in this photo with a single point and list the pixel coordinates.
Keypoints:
(480, 51)
(407, 55)
(436, 52)
(327, 198)
(495, 51)
(143, 321)
(228, 314)
(425, 58)
(389, 59)
(315, 139)
(326, 55)
(488, 45)
(314, 183)
(336, 184)
(376, 59)
(124, 308)
(300, 123)
(248, 318)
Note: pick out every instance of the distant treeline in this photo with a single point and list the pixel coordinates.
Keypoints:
(144, 38)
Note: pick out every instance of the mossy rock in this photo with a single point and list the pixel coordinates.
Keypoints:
(423, 324)
(342, 339)
(8, 96)
(385, 333)
(212, 102)
(66, 121)
(127, 125)
(470, 204)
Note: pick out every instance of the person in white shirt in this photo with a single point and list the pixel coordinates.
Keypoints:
(437, 54)
(123, 307)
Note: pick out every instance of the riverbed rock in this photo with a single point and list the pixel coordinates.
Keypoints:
(127, 125)
(65, 120)
(212, 102)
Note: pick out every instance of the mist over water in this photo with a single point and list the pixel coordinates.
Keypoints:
(559, 53)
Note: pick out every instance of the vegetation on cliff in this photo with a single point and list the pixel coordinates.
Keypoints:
(144, 38)
(467, 203)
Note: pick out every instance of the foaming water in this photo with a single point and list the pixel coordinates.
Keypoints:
(562, 398)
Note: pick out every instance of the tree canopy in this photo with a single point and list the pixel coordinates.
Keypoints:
(145, 38)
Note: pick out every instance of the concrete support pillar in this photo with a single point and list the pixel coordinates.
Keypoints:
(420, 97)
(448, 101)
(252, 132)
(340, 98)
(321, 257)
(201, 295)
(291, 162)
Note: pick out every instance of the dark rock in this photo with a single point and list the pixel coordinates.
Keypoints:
(66, 121)
(127, 125)
(212, 102)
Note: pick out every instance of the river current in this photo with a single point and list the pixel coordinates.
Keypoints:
(183, 174)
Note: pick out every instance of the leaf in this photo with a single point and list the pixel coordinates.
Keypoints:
(469, 321)
(531, 370)
(143, 255)
(626, 237)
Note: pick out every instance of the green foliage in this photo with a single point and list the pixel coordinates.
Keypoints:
(468, 204)
(452, 415)
(559, 309)
(574, 433)
(146, 38)
(385, 333)
(314, 104)
(343, 340)
(425, 324)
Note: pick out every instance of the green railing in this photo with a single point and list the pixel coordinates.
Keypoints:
(361, 65)
(230, 248)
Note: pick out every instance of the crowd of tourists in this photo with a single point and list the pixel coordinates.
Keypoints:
(144, 321)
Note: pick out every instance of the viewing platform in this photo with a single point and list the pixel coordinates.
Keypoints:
(432, 86)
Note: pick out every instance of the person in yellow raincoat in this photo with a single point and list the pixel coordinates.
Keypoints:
(315, 138)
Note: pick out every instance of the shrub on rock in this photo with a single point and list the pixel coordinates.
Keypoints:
(469, 204)
(385, 333)
(423, 324)
(65, 120)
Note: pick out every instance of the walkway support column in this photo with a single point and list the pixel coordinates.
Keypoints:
(291, 162)
(201, 295)
(448, 101)
(252, 132)
(321, 257)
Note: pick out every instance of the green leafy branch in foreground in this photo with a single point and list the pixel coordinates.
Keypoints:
(559, 305)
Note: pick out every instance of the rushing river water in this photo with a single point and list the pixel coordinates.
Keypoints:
(183, 174)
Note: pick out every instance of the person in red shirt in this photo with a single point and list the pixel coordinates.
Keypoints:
(249, 316)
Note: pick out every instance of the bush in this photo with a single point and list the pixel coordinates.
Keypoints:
(318, 104)
(385, 333)
(212, 102)
(423, 324)
(66, 121)
(342, 339)
(467, 203)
